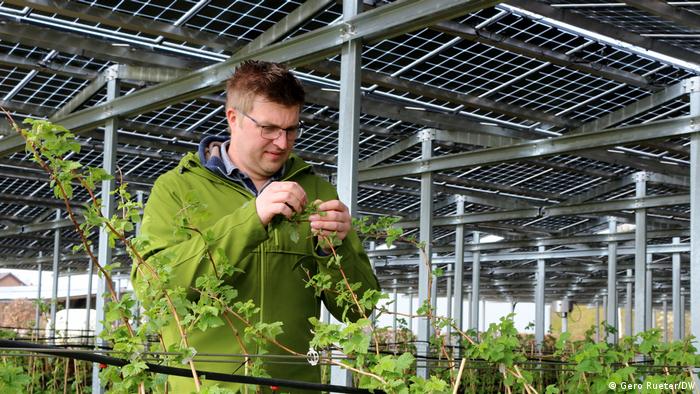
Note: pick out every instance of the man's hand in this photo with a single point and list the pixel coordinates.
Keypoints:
(336, 219)
(280, 198)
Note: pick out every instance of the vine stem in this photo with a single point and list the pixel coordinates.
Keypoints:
(360, 309)
(459, 375)
(64, 196)
(69, 210)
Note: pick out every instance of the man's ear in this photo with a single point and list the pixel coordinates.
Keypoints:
(231, 116)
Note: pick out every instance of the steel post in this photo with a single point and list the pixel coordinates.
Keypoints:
(476, 270)
(426, 237)
(695, 215)
(539, 301)
(676, 292)
(640, 256)
(611, 308)
(459, 268)
(628, 305)
(39, 300)
(109, 161)
(54, 289)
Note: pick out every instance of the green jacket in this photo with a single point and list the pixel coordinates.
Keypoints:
(271, 263)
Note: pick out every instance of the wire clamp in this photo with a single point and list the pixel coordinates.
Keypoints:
(312, 356)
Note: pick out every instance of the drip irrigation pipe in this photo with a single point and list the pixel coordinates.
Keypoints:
(222, 377)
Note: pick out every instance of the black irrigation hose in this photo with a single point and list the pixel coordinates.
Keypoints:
(222, 377)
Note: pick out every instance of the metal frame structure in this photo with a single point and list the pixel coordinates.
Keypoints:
(526, 120)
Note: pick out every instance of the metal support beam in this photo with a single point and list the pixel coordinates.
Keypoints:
(611, 310)
(395, 298)
(448, 299)
(349, 134)
(287, 24)
(39, 301)
(695, 215)
(54, 289)
(683, 331)
(543, 54)
(538, 148)
(652, 101)
(597, 321)
(665, 312)
(593, 25)
(459, 268)
(88, 299)
(426, 237)
(640, 257)
(476, 276)
(410, 309)
(540, 301)
(578, 209)
(677, 308)
(649, 318)
(67, 306)
(88, 91)
(132, 22)
(108, 207)
(668, 12)
(391, 151)
(628, 305)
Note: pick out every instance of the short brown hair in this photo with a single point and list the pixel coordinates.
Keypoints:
(273, 81)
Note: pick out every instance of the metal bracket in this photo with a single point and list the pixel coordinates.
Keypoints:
(347, 31)
(111, 73)
(640, 176)
(426, 135)
(691, 85)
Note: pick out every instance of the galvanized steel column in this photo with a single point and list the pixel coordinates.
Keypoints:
(425, 237)
(649, 320)
(37, 314)
(695, 214)
(539, 301)
(88, 299)
(476, 270)
(459, 268)
(348, 136)
(665, 309)
(676, 292)
(54, 289)
(628, 305)
(109, 162)
(349, 113)
(611, 308)
(67, 302)
(682, 313)
(410, 309)
(395, 310)
(597, 320)
(640, 256)
(448, 300)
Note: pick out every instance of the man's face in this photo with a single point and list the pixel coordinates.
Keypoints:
(260, 157)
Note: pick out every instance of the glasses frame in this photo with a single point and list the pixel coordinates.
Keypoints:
(278, 130)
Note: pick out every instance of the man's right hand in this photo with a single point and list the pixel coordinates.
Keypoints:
(280, 198)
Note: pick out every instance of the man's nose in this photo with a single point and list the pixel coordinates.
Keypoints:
(281, 141)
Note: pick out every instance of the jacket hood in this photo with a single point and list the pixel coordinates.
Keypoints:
(207, 160)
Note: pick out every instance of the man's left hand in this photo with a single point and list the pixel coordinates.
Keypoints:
(336, 219)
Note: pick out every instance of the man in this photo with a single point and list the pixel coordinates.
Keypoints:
(248, 183)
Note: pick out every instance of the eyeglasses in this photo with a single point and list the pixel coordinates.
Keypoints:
(273, 132)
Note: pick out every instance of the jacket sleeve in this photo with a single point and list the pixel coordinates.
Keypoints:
(185, 254)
